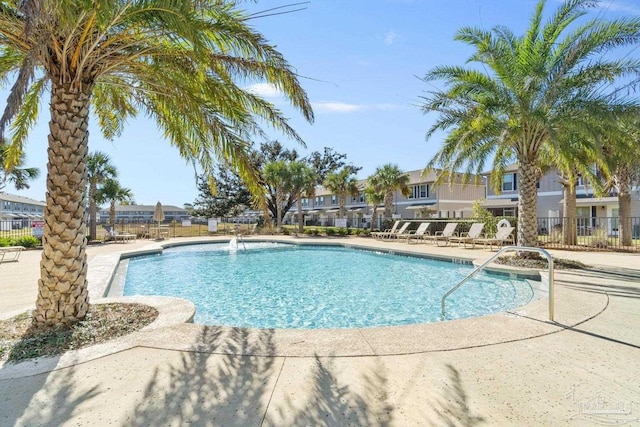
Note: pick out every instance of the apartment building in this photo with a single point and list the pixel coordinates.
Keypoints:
(18, 211)
(592, 211)
(142, 213)
(453, 199)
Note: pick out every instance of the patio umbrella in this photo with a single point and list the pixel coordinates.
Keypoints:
(158, 214)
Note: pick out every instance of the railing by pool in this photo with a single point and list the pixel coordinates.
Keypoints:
(487, 262)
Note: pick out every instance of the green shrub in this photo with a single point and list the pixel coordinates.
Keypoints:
(286, 231)
(331, 231)
(315, 231)
(26, 241)
(342, 231)
(309, 231)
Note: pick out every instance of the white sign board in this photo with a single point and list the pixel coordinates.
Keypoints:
(341, 222)
(186, 223)
(213, 225)
(37, 228)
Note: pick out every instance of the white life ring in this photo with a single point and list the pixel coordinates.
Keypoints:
(504, 223)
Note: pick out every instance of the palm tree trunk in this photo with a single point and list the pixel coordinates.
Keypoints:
(570, 214)
(527, 209)
(624, 211)
(93, 211)
(388, 205)
(342, 204)
(63, 297)
(374, 217)
(279, 210)
(300, 216)
(112, 213)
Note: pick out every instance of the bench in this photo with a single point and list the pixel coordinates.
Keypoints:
(10, 253)
(123, 237)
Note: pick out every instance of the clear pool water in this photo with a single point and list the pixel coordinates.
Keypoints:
(272, 285)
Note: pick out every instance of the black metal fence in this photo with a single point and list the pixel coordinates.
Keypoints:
(597, 233)
(15, 229)
(601, 233)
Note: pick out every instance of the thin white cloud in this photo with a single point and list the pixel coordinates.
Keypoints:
(390, 37)
(335, 107)
(343, 107)
(265, 90)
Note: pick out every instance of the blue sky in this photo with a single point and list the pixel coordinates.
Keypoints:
(361, 60)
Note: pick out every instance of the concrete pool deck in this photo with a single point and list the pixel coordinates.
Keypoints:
(505, 369)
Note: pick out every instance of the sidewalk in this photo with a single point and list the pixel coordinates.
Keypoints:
(191, 374)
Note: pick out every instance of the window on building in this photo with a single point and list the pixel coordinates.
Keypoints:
(509, 182)
(419, 191)
(305, 202)
(334, 200)
(319, 201)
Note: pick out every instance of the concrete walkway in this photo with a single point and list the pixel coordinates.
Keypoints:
(486, 371)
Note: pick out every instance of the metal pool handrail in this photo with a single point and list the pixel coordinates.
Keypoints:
(501, 251)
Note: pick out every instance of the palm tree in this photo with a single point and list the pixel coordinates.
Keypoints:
(99, 169)
(374, 197)
(342, 184)
(182, 63)
(389, 178)
(112, 192)
(302, 183)
(557, 79)
(18, 175)
(276, 176)
(622, 158)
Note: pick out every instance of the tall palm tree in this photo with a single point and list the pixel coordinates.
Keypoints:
(623, 159)
(99, 169)
(559, 77)
(389, 178)
(113, 193)
(17, 175)
(182, 63)
(342, 183)
(302, 183)
(276, 176)
(374, 197)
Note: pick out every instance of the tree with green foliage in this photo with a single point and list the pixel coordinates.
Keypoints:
(389, 178)
(342, 183)
(99, 169)
(530, 92)
(227, 194)
(302, 182)
(622, 155)
(374, 196)
(18, 175)
(183, 64)
(112, 192)
(276, 176)
(321, 163)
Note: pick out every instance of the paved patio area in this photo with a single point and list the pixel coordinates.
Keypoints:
(505, 369)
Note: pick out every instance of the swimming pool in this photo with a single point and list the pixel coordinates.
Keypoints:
(275, 285)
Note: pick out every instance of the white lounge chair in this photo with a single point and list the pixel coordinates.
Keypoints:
(379, 234)
(420, 233)
(475, 232)
(113, 234)
(444, 235)
(402, 230)
(10, 253)
(503, 235)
